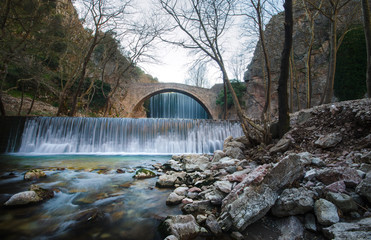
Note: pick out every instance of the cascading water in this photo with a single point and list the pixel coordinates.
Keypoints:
(55, 135)
(175, 105)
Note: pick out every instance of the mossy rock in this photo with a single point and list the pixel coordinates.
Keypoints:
(144, 173)
(34, 174)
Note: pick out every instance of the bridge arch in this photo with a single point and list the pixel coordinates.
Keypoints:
(166, 90)
(138, 93)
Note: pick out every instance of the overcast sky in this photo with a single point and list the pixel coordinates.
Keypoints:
(174, 62)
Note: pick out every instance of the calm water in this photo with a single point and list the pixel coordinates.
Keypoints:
(128, 208)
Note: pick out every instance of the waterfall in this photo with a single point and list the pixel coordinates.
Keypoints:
(56, 135)
(175, 105)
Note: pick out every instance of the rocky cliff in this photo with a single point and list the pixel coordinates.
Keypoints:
(255, 76)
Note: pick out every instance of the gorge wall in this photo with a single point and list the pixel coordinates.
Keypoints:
(255, 76)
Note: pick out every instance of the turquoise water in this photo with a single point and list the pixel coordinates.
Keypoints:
(84, 184)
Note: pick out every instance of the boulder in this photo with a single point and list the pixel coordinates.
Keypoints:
(364, 188)
(213, 225)
(144, 173)
(290, 228)
(174, 199)
(310, 222)
(195, 162)
(248, 207)
(43, 193)
(342, 201)
(366, 158)
(181, 191)
(89, 217)
(183, 227)
(328, 141)
(331, 175)
(218, 154)
(238, 176)
(170, 179)
(215, 197)
(234, 152)
(173, 165)
(281, 146)
(197, 207)
(349, 230)
(34, 174)
(223, 186)
(23, 198)
(337, 187)
(224, 163)
(293, 201)
(326, 212)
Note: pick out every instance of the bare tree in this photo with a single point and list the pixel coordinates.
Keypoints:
(331, 10)
(311, 14)
(197, 75)
(367, 28)
(238, 66)
(203, 23)
(284, 118)
(104, 15)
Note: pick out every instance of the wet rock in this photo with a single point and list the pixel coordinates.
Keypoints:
(174, 199)
(213, 225)
(119, 170)
(194, 189)
(281, 146)
(326, 212)
(144, 173)
(173, 165)
(331, 175)
(197, 207)
(89, 217)
(195, 162)
(218, 154)
(337, 187)
(328, 141)
(23, 198)
(342, 201)
(34, 174)
(310, 222)
(181, 226)
(354, 230)
(223, 186)
(43, 193)
(170, 179)
(364, 188)
(293, 201)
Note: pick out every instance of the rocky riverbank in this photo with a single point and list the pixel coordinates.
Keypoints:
(314, 183)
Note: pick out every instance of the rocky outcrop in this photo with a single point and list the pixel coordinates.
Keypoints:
(255, 76)
(34, 174)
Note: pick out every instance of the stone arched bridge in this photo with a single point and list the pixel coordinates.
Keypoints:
(138, 93)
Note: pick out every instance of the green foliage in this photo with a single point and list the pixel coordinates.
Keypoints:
(238, 87)
(350, 77)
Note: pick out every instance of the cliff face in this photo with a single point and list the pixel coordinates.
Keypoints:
(255, 76)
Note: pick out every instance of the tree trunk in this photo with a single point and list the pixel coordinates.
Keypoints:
(82, 74)
(284, 118)
(329, 90)
(33, 99)
(225, 100)
(367, 29)
(21, 105)
(2, 109)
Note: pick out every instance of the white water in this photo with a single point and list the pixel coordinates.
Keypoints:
(64, 135)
